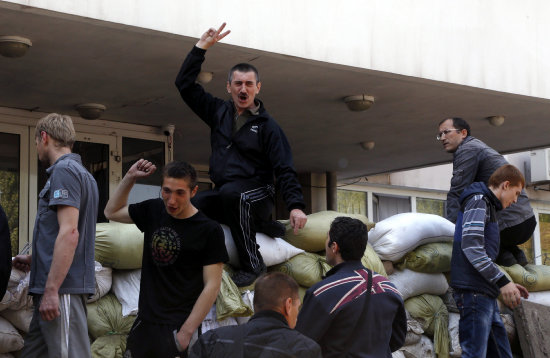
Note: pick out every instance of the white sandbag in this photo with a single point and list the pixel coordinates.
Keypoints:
(456, 351)
(16, 296)
(10, 339)
(414, 330)
(399, 234)
(542, 297)
(20, 319)
(126, 288)
(211, 321)
(398, 354)
(103, 282)
(411, 283)
(274, 250)
(423, 349)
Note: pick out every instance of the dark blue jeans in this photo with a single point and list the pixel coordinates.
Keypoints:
(481, 331)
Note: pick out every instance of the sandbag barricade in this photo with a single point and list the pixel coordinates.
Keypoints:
(432, 313)
(16, 296)
(125, 287)
(10, 339)
(394, 237)
(371, 261)
(103, 282)
(534, 277)
(118, 245)
(229, 302)
(313, 236)
(411, 283)
(306, 268)
(434, 257)
(108, 327)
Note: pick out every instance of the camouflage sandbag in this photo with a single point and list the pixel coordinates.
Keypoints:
(112, 346)
(105, 318)
(534, 277)
(119, 246)
(371, 261)
(229, 302)
(313, 236)
(429, 258)
(306, 268)
(432, 313)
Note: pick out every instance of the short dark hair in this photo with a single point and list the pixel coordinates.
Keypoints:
(351, 235)
(180, 170)
(509, 173)
(243, 67)
(272, 289)
(459, 123)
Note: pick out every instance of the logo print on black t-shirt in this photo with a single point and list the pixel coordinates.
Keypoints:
(165, 246)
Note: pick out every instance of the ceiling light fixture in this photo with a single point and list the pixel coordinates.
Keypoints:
(359, 102)
(204, 77)
(368, 145)
(90, 110)
(14, 46)
(496, 121)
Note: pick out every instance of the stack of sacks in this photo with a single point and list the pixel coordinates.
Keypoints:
(119, 246)
(16, 296)
(10, 339)
(108, 327)
(313, 236)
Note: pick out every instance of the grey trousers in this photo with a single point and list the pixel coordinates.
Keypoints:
(66, 336)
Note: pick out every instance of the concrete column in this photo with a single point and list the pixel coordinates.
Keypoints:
(332, 199)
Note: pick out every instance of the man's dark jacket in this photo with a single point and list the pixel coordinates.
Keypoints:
(257, 151)
(265, 335)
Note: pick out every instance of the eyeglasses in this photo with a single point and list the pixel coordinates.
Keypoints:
(445, 132)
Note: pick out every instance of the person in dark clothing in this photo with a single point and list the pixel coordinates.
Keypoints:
(475, 278)
(5, 252)
(249, 149)
(269, 333)
(183, 256)
(475, 161)
(353, 312)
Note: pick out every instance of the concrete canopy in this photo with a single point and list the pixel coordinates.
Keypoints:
(131, 70)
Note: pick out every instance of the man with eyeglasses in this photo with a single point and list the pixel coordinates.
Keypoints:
(475, 161)
(183, 256)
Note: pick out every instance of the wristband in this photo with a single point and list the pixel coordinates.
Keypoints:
(178, 345)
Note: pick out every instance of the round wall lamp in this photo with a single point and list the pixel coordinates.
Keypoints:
(14, 46)
(496, 121)
(358, 103)
(204, 77)
(90, 110)
(368, 145)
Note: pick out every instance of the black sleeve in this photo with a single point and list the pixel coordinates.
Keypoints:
(140, 213)
(399, 328)
(192, 93)
(280, 155)
(5, 252)
(215, 251)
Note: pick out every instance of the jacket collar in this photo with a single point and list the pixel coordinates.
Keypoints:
(270, 314)
(346, 266)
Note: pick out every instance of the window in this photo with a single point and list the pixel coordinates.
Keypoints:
(134, 149)
(544, 226)
(430, 206)
(387, 206)
(9, 184)
(352, 202)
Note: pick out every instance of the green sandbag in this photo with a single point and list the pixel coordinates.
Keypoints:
(312, 237)
(229, 302)
(119, 246)
(306, 268)
(534, 277)
(429, 258)
(112, 346)
(432, 313)
(105, 317)
(371, 261)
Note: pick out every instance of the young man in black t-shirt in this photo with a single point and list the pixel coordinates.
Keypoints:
(183, 256)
